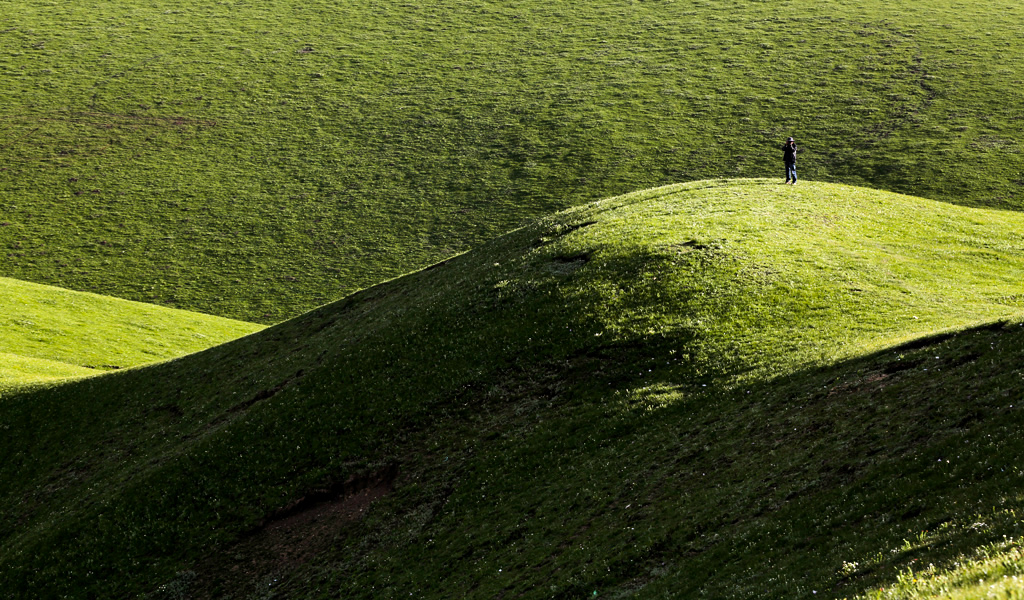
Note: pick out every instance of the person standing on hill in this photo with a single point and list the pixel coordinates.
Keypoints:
(789, 157)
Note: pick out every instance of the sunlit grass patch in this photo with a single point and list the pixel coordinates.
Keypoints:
(16, 371)
(88, 333)
(993, 571)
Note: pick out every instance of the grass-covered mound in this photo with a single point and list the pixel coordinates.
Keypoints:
(257, 159)
(734, 388)
(52, 333)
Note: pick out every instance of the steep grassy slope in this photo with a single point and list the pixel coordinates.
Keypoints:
(729, 388)
(52, 333)
(255, 160)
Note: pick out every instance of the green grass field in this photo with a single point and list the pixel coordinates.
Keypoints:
(716, 387)
(728, 388)
(255, 160)
(52, 333)
(17, 370)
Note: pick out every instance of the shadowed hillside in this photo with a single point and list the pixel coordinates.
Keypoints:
(733, 388)
(255, 160)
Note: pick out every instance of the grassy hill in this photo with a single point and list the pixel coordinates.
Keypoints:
(727, 388)
(53, 333)
(255, 160)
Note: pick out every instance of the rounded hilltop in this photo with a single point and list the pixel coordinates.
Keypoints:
(657, 393)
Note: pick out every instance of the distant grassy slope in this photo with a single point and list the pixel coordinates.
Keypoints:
(59, 332)
(729, 388)
(255, 160)
(17, 370)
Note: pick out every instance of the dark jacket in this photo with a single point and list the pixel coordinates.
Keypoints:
(789, 154)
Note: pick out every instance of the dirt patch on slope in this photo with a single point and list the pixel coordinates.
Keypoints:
(290, 537)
